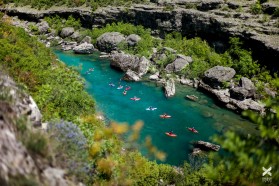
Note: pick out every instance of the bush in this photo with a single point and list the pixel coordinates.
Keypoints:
(256, 8)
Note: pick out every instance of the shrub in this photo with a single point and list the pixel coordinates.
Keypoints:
(256, 8)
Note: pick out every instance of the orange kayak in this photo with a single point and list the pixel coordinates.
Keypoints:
(193, 130)
(170, 134)
(165, 116)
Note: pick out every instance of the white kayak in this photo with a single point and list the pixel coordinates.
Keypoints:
(151, 108)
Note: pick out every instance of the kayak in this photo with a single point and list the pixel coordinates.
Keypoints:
(120, 87)
(193, 130)
(111, 84)
(125, 92)
(165, 116)
(151, 108)
(127, 88)
(135, 99)
(170, 134)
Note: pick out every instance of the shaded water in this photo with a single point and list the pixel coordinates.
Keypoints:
(204, 115)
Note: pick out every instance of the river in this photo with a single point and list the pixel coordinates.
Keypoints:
(204, 115)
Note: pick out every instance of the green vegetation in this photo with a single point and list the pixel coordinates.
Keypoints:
(94, 4)
(58, 90)
(57, 23)
(143, 48)
(256, 8)
(59, 93)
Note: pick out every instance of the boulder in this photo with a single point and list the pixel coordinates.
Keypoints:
(84, 48)
(133, 39)
(86, 39)
(216, 76)
(154, 76)
(43, 27)
(68, 45)
(270, 92)
(207, 146)
(210, 5)
(185, 81)
(248, 85)
(67, 31)
(238, 93)
(169, 88)
(76, 35)
(178, 64)
(143, 66)
(131, 76)
(124, 62)
(108, 42)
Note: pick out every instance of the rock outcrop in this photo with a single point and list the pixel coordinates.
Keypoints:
(43, 27)
(84, 48)
(178, 64)
(20, 164)
(204, 20)
(133, 39)
(108, 42)
(224, 96)
(65, 32)
(131, 76)
(124, 62)
(248, 85)
(216, 76)
(169, 88)
(207, 146)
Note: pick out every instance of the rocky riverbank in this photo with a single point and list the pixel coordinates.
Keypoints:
(20, 161)
(218, 81)
(215, 21)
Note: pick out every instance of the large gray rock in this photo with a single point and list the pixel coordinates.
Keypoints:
(169, 88)
(207, 146)
(43, 27)
(206, 5)
(154, 77)
(86, 39)
(217, 75)
(143, 66)
(84, 48)
(23, 103)
(131, 76)
(76, 35)
(133, 39)
(124, 62)
(108, 42)
(239, 93)
(67, 31)
(178, 64)
(248, 85)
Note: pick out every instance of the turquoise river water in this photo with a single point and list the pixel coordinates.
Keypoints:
(204, 115)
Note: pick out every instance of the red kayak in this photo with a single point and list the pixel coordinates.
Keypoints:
(135, 99)
(170, 134)
(127, 88)
(193, 130)
(165, 116)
